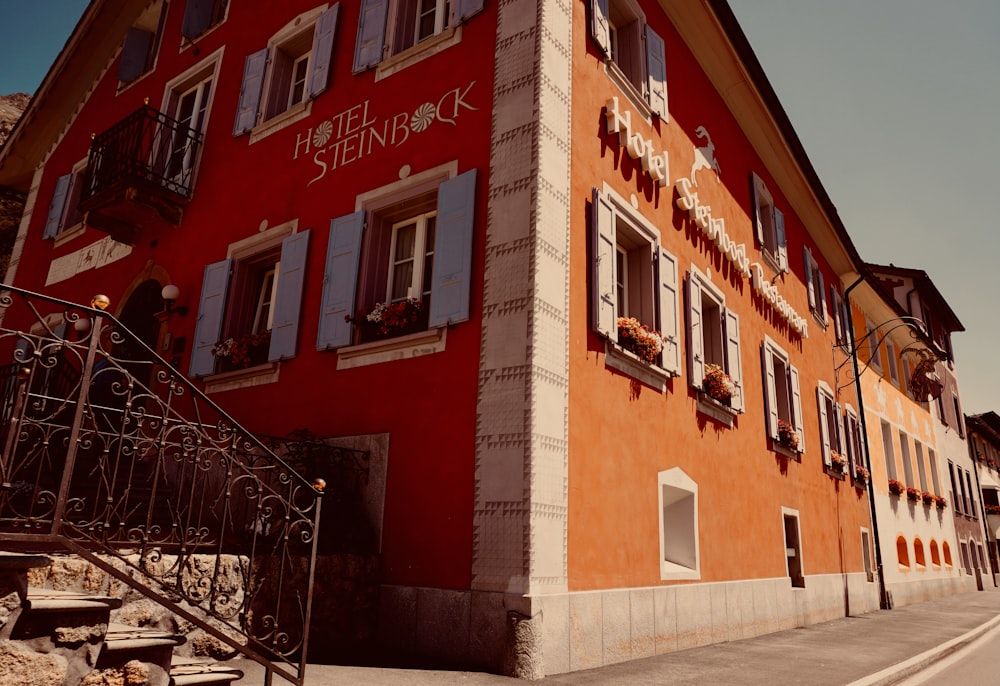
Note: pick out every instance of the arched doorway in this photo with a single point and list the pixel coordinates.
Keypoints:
(138, 314)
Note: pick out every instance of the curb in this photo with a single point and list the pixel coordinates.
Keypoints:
(917, 663)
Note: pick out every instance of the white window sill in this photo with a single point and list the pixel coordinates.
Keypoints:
(716, 410)
(629, 364)
(399, 348)
(242, 378)
(629, 90)
(670, 571)
(281, 121)
(820, 319)
(69, 234)
(421, 51)
(834, 472)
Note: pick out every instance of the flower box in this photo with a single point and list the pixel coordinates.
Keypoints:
(240, 352)
(896, 487)
(927, 497)
(717, 384)
(639, 339)
(861, 474)
(941, 502)
(788, 437)
(912, 494)
(992, 509)
(388, 320)
(838, 462)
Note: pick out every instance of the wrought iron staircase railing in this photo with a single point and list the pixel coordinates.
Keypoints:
(126, 463)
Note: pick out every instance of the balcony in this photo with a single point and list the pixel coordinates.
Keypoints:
(139, 174)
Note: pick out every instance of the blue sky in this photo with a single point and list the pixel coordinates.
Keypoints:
(895, 102)
(31, 35)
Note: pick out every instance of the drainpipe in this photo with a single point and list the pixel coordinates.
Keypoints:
(883, 595)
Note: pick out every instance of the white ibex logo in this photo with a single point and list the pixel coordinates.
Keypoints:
(704, 156)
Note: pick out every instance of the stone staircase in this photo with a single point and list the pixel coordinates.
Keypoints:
(67, 638)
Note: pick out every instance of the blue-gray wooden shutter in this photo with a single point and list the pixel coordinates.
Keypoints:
(57, 207)
(604, 306)
(770, 392)
(340, 281)
(734, 365)
(371, 34)
(793, 377)
(452, 272)
(463, 9)
(197, 17)
(208, 326)
(825, 440)
(288, 299)
(250, 91)
(758, 220)
(821, 294)
(780, 240)
(322, 50)
(696, 333)
(135, 54)
(669, 318)
(841, 442)
(600, 25)
(656, 69)
(807, 260)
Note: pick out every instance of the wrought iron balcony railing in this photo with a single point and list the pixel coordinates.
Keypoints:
(111, 454)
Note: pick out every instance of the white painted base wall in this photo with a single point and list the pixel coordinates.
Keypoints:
(572, 631)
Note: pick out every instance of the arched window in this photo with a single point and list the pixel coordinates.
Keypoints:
(947, 553)
(902, 552)
(935, 554)
(918, 552)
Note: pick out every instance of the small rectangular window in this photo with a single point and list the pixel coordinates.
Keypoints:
(904, 454)
(866, 553)
(782, 398)
(888, 451)
(793, 550)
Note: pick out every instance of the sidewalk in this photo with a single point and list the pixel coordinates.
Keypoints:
(872, 650)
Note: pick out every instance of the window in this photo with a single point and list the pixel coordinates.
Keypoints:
(935, 479)
(904, 454)
(635, 53)
(769, 226)
(830, 426)
(410, 242)
(142, 42)
(841, 317)
(935, 554)
(966, 561)
(65, 219)
(956, 494)
(918, 553)
(793, 548)
(866, 554)
(959, 426)
(890, 356)
(874, 355)
(286, 75)
(902, 553)
(713, 336)
(888, 452)
(852, 439)
(815, 286)
(632, 276)
(201, 15)
(188, 101)
(252, 297)
(972, 510)
(921, 470)
(678, 500)
(782, 395)
(409, 29)
(946, 551)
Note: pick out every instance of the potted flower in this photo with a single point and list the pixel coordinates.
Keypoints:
(941, 502)
(993, 509)
(639, 339)
(927, 497)
(861, 474)
(837, 461)
(240, 352)
(912, 493)
(387, 320)
(788, 437)
(896, 487)
(717, 384)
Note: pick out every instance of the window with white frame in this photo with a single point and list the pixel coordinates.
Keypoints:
(678, 507)
(65, 219)
(935, 479)
(401, 263)
(971, 510)
(918, 451)
(250, 303)
(959, 423)
(891, 360)
(830, 428)
(713, 340)
(769, 226)
(841, 317)
(635, 54)
(815, 286)
(904, 456)
(956, 494)
(285, 76)
(201, 15)
(874, 355)
(852, 439)
(142, 42)
(402, 31)
(782, 398)
(634, 282)
(793, 547)
(188, 101)
(888, 451)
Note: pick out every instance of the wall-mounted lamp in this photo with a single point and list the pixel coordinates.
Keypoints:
(170, 293)
(100, 301)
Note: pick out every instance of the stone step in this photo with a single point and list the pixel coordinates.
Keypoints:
(51, 600)
(191, 671)
(122, 638)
